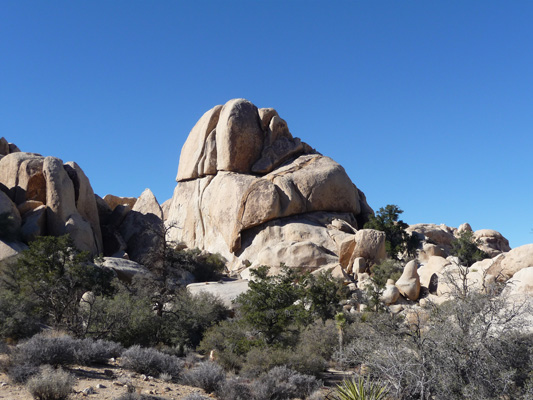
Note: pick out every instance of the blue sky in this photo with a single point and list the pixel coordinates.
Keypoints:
(427, 104)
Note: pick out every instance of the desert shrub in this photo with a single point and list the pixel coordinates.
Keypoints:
(322, 295)
(20, 372)
(270, 305)
(99, 351)
(135, 396)
(320, 338)
(259, 360)
(19, 315)
(125, 318)
(51, 384)
(282, 383)
(196, 396)
(151, 362)
(234, 389)
(41, 349)
(466, 249)
(231, 341)
(206, 375)
(188, 316)
(203, 265)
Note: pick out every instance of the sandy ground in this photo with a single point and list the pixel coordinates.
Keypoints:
(105, 383)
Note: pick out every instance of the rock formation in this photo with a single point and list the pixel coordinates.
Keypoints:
(436, 240)
(49, 197)
(250, 191)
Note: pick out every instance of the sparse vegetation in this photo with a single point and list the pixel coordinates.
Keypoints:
(151, 362)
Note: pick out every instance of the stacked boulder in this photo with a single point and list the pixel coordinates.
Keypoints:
(436, 240)
(44, 196)
(249, 190)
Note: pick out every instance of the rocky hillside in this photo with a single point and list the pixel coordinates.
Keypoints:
(246, 189)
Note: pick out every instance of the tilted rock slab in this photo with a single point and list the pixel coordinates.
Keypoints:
(241, 169)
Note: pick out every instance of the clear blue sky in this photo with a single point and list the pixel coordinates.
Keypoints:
(427, 104)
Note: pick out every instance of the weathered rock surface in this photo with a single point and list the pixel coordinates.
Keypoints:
(409, 282)
(10, 250)
(240, 170)
(227, 291)
(520, 285)
(9, 213)
(21, 177)
(143, 230)
(370, 245)
(32, 181)
(34, 224)
(391, 293)
(493, 242)
(430, 270)
(125, 269)
(436, 240)
(114, 201)
(511, 262)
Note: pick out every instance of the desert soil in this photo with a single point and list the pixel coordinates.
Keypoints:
(107, 383)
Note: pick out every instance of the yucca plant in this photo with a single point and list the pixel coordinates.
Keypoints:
(360, 389)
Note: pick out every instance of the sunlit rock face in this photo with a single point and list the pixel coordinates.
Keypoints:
(252, 192)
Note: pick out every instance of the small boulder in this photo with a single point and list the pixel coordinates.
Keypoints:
(390, 294)
(409, 282)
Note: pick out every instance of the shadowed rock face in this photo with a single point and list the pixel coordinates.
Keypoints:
(241, 171)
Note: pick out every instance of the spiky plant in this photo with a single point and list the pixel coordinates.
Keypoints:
(360, 389)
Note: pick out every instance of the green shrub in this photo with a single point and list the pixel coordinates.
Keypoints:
(20, 316)
(260, 360)
(231, 341)
(282, 383)
(234, 389)
(51, 384)
(398, 241)
(53, 275)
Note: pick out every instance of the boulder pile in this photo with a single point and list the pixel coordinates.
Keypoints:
(42, 196)
(249, 190)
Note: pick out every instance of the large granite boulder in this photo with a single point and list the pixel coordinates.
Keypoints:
(511, 262)
(242, 174)
(492, 242)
